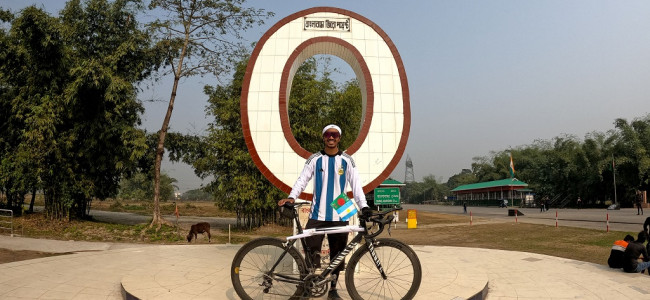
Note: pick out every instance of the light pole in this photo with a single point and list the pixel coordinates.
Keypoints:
(614, 171)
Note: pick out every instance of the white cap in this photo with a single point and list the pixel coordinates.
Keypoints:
(330, 127)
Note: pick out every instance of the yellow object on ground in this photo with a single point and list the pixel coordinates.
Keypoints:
(411, 219)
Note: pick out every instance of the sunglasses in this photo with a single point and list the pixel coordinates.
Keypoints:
(332, 134)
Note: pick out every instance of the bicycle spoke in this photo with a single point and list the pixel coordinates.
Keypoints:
(251, 276)
(396, 260)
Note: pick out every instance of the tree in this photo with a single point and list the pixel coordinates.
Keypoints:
(32, 43)
(316, 101)
(199, 38)
(139, 187)
(484, 168)
(565, 167)
(196, 195)
(111, 55)
(632, 153)
(70, 82)
(428, 189)
(434, 189)
(464, 177)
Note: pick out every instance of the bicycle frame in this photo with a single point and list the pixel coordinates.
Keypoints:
(338, 259)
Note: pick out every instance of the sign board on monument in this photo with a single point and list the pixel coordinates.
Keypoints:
(385, 196)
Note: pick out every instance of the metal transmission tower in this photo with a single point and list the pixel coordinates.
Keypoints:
(409, 176)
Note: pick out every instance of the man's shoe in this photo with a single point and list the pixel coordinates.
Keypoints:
(333, 295)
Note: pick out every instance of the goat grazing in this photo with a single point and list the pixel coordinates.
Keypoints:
(197, 228)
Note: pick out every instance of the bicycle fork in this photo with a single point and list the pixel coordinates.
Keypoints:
(373, 254)
(371, 248)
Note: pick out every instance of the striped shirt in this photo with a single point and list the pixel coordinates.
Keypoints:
(331, 175)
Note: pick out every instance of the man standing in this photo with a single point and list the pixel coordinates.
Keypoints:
(331, 169)
(547, 203)
(638, 201)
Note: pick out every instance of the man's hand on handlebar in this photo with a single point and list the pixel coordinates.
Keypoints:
(283, 201)
(366, 213)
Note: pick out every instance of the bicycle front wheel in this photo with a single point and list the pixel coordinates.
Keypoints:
(401, 266)
(250, 270)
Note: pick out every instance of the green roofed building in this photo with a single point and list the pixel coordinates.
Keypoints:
(494, 192)
(391, 182)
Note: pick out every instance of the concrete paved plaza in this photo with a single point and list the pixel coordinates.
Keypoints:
(111, 271)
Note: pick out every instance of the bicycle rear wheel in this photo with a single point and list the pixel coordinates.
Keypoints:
(250, 270)
(400, 263)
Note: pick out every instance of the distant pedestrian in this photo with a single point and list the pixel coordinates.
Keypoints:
(638, 201)
(579, 203)
(547, 203)
(464, 207)
(541, 206)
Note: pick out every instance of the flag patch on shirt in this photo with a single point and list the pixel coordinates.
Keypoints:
(344, 207)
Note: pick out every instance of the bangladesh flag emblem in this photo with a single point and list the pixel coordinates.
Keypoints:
(344, 207)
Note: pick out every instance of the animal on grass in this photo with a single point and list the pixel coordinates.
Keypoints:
(203, 227)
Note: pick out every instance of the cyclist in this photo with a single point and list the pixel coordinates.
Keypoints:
(331, 169)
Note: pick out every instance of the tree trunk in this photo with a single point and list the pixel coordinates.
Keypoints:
(31, 203)
(158, 220)
(88, 207)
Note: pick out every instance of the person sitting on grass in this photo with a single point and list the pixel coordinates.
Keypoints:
(617, 256)
(633, 252)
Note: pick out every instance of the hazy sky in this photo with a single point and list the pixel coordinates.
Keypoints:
(483, 75)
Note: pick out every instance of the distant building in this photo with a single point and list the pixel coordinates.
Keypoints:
(494, 192)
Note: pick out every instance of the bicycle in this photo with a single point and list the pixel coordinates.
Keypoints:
(382, 268)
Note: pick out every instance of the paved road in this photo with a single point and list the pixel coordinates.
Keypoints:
(624, 219)
(134, 219)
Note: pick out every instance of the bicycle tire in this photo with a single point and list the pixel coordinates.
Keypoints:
(401, 266)
(254, 259)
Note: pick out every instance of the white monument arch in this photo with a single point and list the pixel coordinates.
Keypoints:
(374, 58)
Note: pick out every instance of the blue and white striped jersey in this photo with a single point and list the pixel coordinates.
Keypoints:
(331, 174)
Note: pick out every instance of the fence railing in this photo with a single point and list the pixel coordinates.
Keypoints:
(7, 221)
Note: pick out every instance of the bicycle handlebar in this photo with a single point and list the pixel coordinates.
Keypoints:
(378, 218)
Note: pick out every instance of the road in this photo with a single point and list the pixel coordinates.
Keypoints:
(624, 219)
(134, 219)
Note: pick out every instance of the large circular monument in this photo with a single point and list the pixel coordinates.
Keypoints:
(386, 115)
